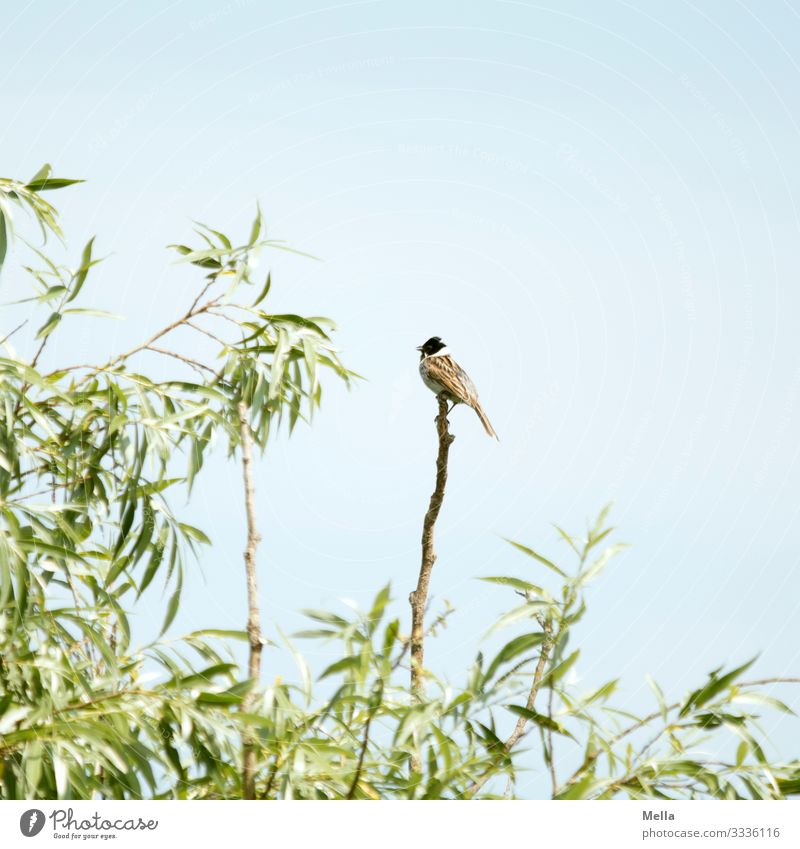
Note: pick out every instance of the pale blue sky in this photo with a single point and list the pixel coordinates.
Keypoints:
(593, 203)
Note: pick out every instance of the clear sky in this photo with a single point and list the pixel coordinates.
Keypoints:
(592, 202)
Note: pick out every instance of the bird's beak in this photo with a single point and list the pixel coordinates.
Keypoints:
(418, 348)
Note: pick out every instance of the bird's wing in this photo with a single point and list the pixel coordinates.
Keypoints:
(447, 372)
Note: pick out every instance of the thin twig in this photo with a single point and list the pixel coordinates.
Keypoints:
(406, 641)
(26, 385)
(193, 312)
(550, 744)
(351, 793)
(197, 366)
(207, 333)
(513, 671)
(219, 314)
(202, 292)
(253, 614)
(9, 335)
(62, 303)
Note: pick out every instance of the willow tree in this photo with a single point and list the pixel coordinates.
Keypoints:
(91, 459)
(95, 458)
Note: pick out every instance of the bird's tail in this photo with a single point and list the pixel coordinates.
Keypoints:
(487, 425)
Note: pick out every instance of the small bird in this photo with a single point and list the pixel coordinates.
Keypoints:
(443, 375)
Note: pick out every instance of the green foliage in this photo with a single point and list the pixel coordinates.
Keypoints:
(89, 459)
(92, 458)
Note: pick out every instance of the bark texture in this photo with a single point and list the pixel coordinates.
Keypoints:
(254, 637)
(418, 599)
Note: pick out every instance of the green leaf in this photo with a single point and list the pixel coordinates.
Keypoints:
(540, 719)
(194, 533)
(325, 616)
(302, 666)
(512, 649)
(598, 565)
(531, 553)
(516, 583)
(741, 752)
(751, 697)
(42, 174)
(715, 685)
(49, 326)
(90, 311)
(117, 568)
(659, 694)
(557, 672)
(80, 276)
(224, 240)
(264, 292)
(172, 607)
(255, 230)
(219, 699)
(314, 634)
(603, 692)
(567, 539)
(343, 665)
(220, 632)
(48, 183)
(523, 611)
(789, 786)
(581, 789)
(378, 606)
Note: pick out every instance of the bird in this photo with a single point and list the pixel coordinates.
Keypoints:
(443, 375)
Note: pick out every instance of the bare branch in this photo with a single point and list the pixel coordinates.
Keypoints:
(208, 333)
(202, 292)
(418, 598)
(550, 743)
(9, 335)
(197, 366)
(253, 614)
(193, 312)
(351, 793)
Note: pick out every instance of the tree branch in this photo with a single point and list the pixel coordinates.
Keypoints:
(376, 702)
(419, 597)
(550, 744)
(9, 335)
(253, 614)
(522, 722)
(195, 364)
(193, 312)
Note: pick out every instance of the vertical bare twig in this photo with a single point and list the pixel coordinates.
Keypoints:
(419, 597)
(351, 794)
(253, 613)
(551, 744)
(375, 703)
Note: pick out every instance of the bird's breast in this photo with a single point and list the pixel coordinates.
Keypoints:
(428, 379)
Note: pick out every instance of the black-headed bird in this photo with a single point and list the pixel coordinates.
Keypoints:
(443, 375)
